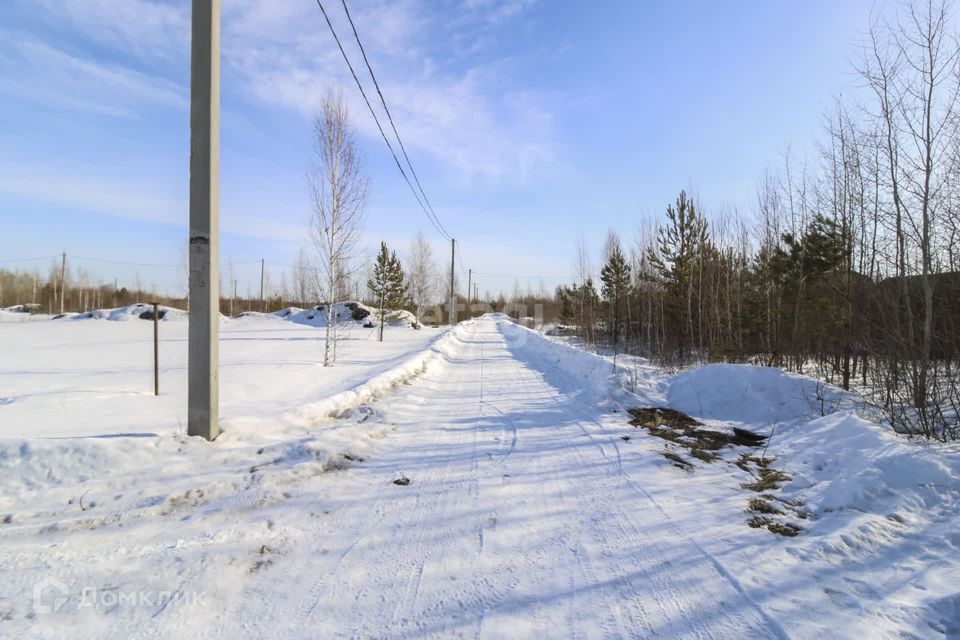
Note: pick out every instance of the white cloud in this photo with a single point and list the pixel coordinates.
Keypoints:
(147, 28)
(281, 54)
(43, 74)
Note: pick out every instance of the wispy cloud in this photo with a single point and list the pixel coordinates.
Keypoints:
(280, 54)
(41, 73)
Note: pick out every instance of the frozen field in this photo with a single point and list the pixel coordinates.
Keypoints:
(527, 504)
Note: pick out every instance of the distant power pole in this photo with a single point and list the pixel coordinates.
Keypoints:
(453, 299)
(263, 304)
(156, 349)
(63, 282)
(469, 286)
(476, 294)
(204, 329)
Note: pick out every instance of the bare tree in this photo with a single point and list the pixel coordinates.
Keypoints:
(420, 273)
(339, 192)
(303, 277)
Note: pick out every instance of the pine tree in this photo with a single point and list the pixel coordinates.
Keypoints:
(388, 284)
(615, 286)
(680, 246)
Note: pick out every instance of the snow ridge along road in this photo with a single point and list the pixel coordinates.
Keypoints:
(516, 523)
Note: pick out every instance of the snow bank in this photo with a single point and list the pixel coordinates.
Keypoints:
(345, 313)
(342, 403)
(750, 394)
(139, 311)
(842, 461)
(555, 358)
(18, 316)
(350, 312)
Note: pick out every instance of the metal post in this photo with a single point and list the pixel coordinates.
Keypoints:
(203, 379)
(453, 300)
(156, 349)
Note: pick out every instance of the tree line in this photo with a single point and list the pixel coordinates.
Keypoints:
(847, 268)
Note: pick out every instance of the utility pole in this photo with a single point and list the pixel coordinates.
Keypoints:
(453, 299)
(156, 350)
(476, 295)
(114, 292)
(63, 283)
(263, 304)
(204, 330)
(469, 290)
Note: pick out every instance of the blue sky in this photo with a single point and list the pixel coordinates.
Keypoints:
(529, 122)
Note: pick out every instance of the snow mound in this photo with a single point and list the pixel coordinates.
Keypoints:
(750, 394)
(6, 315)
(139, 311)
(842, 461)
(349, 312)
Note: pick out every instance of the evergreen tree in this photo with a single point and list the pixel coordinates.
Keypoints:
(564, 295)
(615, 286)
(388, 284)
(679, 249)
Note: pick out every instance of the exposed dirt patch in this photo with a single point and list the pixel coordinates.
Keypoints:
(761, 505)
(677, 461)
(767, 478)
(679, 428)
(686, 435)
(402, 481)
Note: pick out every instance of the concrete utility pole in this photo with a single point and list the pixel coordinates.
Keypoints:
(156, 349)
(263, 304)
(63, 282)
(453, 299)
(202, 375)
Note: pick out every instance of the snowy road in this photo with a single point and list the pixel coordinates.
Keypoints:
(519, 521)
(533, 509)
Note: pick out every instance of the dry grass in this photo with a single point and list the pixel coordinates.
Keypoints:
(679, 428)
(759, 505)
(677, 461)
(769, 511)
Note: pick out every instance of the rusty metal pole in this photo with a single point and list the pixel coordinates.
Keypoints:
(156, 350)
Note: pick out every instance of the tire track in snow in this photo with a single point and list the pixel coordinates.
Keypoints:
(717, 567)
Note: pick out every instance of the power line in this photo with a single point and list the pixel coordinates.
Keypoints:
(29, 259)
(513, 275)
(132, 264)
(346, 59)
(390, 118)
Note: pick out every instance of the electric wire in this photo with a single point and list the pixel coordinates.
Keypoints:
(373, 113)
(393, 126)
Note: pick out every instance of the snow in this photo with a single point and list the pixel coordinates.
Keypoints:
(94, 377)
(533, 509)
(347, 313)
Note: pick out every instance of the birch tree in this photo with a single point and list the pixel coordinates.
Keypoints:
(420, 274)
(338, 188)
